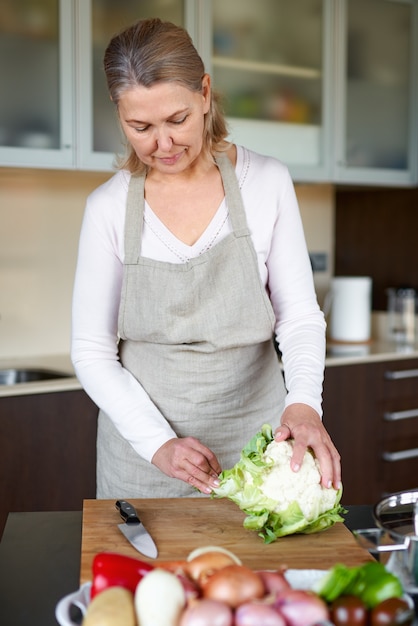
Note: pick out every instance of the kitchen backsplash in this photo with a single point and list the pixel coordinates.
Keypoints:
(40, 216)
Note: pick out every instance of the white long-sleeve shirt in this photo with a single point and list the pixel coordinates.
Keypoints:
(276, 229)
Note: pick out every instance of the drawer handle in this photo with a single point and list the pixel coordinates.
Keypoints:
(399, 374)
(393, 416)
(402, 455)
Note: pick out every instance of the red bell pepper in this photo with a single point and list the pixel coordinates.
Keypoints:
(111, 569)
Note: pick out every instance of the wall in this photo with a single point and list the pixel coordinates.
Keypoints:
(317, 207)
(40, 217)
(376, 235)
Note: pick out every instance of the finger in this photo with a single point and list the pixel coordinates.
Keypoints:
(198, 479)
(330, 467)
(326, 468)
(299, 450)
(323, 456)
(282, 433)
(337, 471)
(207, 460)
(216, 469)
(213, 467)
(201, 486)
(198, 469)
(330, 464)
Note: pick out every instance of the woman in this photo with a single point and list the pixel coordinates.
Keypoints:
(191, 257)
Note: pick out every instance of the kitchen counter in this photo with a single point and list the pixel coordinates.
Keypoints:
(378, 349)
(337, 354)
(372, 352)
(40, 556)
(57, 362)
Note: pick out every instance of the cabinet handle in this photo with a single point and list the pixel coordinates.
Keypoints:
(402, 455)
(399, 374)
(393, 416)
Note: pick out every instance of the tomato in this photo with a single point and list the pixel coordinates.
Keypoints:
(391, 612)
(348, 611)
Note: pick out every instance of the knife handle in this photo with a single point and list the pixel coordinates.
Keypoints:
(127, 512)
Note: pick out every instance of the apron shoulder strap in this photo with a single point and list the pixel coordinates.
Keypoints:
(134, 219)
(233, 196)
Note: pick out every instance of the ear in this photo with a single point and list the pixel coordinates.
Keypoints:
(206, 92)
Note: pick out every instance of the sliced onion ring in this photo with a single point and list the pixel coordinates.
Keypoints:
(204, 549)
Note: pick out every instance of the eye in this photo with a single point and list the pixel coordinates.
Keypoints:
(180, 120)
(141, 129)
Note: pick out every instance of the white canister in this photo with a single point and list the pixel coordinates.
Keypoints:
(349, 303)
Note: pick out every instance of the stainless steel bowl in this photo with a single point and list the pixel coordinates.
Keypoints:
(397, 515)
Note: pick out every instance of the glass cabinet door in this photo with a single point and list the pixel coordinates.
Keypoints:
(376, 91)
(36, 73)
(100, 138)
(270, 63)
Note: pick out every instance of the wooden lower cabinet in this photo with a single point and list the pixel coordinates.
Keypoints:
(371, 413)
(47, 452)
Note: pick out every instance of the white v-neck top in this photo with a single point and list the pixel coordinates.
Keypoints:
(276, 229)
(164, 246)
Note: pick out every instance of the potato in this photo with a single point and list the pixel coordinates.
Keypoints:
(111, 607)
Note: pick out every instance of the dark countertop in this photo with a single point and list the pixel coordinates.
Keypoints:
(40, 562)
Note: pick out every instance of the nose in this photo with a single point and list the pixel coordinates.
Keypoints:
(164, 139)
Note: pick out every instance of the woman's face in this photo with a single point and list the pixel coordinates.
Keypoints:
(164, 124)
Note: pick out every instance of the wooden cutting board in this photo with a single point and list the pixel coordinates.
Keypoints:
(178, 525)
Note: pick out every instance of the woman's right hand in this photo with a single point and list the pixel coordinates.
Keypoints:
(189, 460)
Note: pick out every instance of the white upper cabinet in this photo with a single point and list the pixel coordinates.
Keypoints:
(327, 86)
(36, 74)
(376, 107)
(271, 62)
(57, 112)
(99, 136)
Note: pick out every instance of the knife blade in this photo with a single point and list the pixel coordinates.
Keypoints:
(134, 530)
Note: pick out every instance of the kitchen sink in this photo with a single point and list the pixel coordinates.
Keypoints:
(13, 376)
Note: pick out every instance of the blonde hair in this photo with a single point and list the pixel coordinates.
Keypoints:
(152, 51)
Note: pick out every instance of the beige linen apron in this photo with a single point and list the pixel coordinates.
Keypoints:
(198, 337)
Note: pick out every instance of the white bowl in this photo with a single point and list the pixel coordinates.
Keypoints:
(79, 598)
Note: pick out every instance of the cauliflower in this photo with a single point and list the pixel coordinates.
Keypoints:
(277, 500)
(281, 483)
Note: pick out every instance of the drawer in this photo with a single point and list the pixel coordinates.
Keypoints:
(399, 476)
(400, 445)
(397, 379)
(399, 458)
(400, 413)
(399, 431)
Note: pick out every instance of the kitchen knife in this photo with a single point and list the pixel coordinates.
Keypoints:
(134, 530)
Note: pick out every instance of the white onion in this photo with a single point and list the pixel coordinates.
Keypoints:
(159, 599)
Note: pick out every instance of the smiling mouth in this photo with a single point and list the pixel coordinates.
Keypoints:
(170, 159)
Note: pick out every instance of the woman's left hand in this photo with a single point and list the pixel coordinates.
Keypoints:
(189, 460)
(303, 424)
